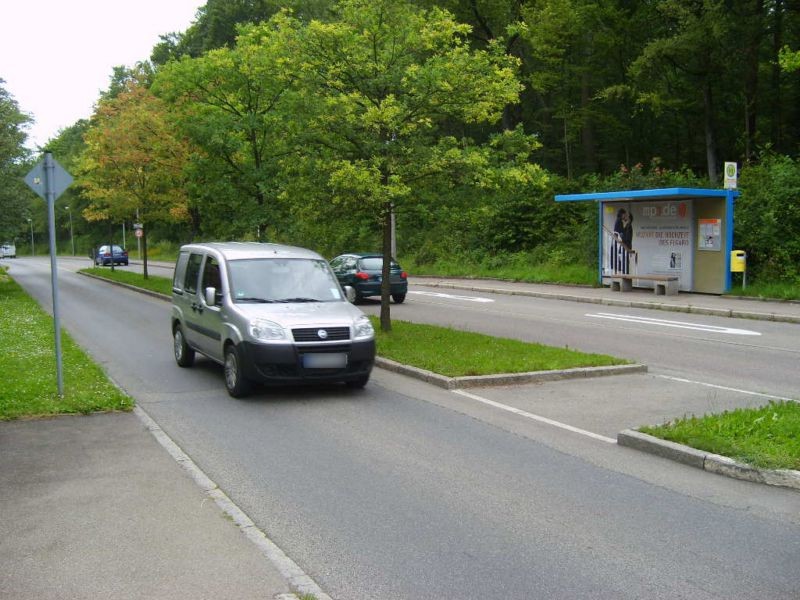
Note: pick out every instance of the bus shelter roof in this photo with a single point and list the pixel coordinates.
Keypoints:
(677, 193)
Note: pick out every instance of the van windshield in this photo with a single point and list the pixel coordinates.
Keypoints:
(260, 280)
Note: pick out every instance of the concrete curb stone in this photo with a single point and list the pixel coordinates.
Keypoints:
(713, 463)
(472, 381)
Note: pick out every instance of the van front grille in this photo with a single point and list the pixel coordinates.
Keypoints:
(312, 334)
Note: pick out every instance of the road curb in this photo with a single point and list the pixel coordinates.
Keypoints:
(683, 308)
(472, 381)
(296, 578)
(714, 463)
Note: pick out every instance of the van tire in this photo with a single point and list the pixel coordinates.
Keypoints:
(235, 381)
(184, 355)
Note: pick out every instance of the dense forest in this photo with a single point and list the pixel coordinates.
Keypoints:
(314, 122)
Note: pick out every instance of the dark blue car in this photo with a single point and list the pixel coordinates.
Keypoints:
(363, 272)
(103, 256)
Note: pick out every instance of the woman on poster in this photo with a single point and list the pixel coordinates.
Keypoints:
(622, 247)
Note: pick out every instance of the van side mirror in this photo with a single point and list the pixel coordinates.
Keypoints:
(210, 296)
(350, 294)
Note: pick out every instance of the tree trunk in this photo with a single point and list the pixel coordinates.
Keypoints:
(775, 95)
(587, 129)
(755, 32)
(144, 252)
(711, 141)
(386, 317)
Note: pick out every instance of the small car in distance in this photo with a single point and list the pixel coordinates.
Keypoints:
(363, 272)
(8, 250)
(103, 256)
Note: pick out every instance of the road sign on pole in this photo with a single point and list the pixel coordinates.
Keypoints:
(49, 180)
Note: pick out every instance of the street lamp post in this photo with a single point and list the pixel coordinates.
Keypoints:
(71, 237)
(33, 251)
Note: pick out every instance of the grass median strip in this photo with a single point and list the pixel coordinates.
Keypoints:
(455, 353)
(162, 285)
(766, 437)
(28, 364)
(445, 351)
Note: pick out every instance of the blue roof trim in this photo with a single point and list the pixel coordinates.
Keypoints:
(664, 193)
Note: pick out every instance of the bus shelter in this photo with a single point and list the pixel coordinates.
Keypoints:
(682, 232)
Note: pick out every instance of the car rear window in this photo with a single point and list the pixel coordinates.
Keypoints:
(375, 264)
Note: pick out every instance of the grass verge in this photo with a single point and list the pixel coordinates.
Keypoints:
(766, 437)
(516, 268)
(162, 285)
(456, 353)
(28, 364)
(769, 291)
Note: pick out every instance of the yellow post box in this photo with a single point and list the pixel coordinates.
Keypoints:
(738, 261)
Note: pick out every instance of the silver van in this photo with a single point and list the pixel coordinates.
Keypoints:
(268, 313)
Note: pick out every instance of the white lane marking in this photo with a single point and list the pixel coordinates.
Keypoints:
(727, 389)
(677, 324)
(534, 417)
(452, 296)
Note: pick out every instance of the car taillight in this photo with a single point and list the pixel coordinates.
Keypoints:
(361, 275)
(404, 275)
(107, 254)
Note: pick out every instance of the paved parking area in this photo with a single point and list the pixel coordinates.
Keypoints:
(608, 405)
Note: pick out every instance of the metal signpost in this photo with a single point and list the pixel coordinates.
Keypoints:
(49, 180)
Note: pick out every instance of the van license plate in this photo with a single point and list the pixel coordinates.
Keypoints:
(332, 360)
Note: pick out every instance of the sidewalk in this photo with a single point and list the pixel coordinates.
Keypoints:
(93, 507)
(707, 304)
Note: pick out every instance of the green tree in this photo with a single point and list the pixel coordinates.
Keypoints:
(67, 148)
(379, 89)
(229, 103)
(134, 162)
(14, 199)
(217, 25)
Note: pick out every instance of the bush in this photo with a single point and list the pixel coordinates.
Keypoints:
(767, 219)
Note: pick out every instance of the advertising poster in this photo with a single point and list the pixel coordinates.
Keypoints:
(709, 236)
(663, 236)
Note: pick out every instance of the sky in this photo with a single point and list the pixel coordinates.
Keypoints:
(57, 56)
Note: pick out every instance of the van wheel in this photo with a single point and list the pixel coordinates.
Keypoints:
(184, 355)
(235, 382)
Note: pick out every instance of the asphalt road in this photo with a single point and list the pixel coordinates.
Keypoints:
(745, 354)
(403, 490)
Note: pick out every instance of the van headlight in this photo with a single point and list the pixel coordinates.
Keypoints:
(362, 329)
(265, 331)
